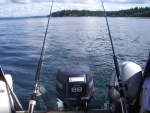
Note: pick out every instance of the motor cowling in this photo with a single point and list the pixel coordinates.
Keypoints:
(131, 76)
(74, 84)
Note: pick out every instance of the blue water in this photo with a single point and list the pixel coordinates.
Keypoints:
(81, 41)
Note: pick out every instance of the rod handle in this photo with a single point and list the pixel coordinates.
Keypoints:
(32, 103)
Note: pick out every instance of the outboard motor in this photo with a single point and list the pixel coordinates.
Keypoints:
(131, 75)
(74, 86)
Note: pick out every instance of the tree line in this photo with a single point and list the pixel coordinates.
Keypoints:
(133, 12)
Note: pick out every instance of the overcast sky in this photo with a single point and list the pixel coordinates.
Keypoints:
(25, 8)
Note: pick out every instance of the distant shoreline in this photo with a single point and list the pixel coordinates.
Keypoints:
(7, 18)
(133, 12)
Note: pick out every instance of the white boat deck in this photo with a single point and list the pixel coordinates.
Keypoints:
(5, 103)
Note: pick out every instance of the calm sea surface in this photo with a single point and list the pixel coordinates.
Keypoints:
(79, 41)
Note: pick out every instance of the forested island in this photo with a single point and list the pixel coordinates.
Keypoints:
(133, 12)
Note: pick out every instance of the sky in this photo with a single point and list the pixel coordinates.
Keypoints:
(27, 8)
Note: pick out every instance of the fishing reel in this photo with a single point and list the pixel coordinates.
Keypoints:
(123, 86)
(131, 74)
(40, 90)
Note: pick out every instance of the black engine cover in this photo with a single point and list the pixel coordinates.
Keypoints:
(74, 83)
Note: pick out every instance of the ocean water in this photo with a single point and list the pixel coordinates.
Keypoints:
(70, 41)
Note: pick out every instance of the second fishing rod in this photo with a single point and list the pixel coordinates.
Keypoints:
(120, 85)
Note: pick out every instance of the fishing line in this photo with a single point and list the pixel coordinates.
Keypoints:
(115, 57)
(32, 101)
(108, 28)
(120, 86)
(43, 46)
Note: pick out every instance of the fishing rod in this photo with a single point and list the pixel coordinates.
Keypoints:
(120, 85)
(32, 101)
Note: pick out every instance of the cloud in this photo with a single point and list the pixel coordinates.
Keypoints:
(24, 10)
(127, 1)
(79, 1)
(14, 1)
(21, 1)
(4, 1)
(98, 1)
(78, 5)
